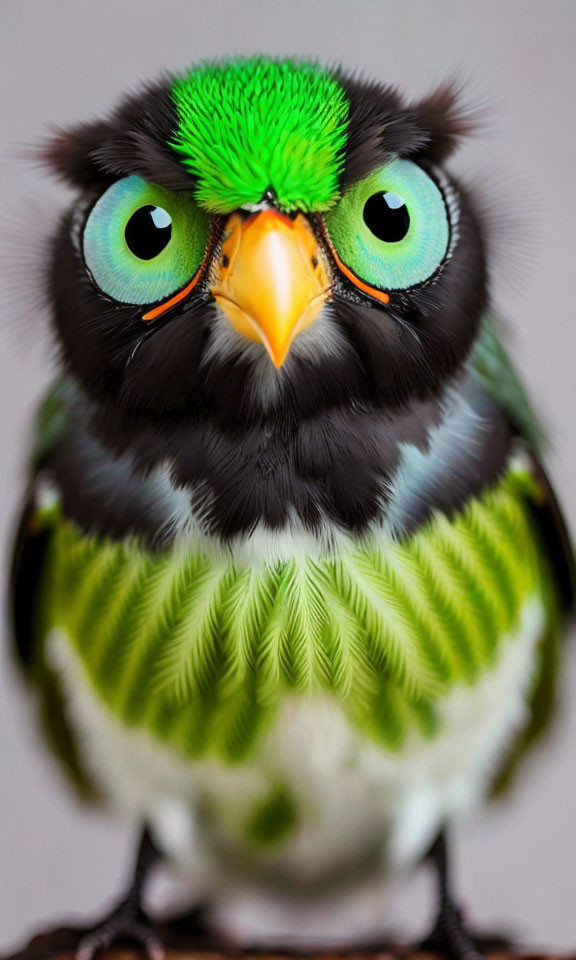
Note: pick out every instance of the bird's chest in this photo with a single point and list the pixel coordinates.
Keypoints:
(201, 651)
(315, 797)
(310, 711)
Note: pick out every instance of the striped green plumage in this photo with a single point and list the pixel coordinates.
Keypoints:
(200, 651)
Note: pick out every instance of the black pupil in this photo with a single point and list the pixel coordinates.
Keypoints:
(148, 231)
(386, 215)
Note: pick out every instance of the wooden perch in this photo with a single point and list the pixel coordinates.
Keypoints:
(60, 945)
(127, 954)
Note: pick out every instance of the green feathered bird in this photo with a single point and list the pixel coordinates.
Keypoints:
(290, 577)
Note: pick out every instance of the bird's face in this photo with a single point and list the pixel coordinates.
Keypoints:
(259, 235)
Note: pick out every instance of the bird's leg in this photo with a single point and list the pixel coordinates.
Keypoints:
(128, 920)
(449, 935)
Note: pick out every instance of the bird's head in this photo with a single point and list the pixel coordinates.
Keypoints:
(258, 234)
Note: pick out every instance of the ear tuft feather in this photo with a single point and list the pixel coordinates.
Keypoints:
(378, 125)
(381, 123)
(68, 152)
(445, 120)
(133, 139)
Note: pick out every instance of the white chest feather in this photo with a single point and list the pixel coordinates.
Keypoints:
(351, 801)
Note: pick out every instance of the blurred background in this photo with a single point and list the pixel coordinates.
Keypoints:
(66, 60)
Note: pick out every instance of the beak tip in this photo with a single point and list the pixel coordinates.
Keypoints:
(268, 288)
(278, 357)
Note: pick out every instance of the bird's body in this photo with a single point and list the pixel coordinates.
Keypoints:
(315, 802)
(296, 615)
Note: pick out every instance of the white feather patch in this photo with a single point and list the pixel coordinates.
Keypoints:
(323, 338)
(352, 798)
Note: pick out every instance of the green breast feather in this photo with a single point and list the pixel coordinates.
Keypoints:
(200, 652)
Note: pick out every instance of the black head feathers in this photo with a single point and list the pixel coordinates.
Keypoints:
(377, 342)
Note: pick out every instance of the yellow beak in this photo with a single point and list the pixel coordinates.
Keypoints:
(273, 281)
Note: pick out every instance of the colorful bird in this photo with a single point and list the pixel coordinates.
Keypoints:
(290, 576)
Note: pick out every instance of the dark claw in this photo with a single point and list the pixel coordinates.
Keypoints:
(450, 937)
(121, 925)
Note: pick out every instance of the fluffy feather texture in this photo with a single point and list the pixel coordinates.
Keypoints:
(340, 472)
(199, 651)
(249, 126)
(381, 123)
(358, 807)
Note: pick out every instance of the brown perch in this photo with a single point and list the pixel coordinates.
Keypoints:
(60, 945)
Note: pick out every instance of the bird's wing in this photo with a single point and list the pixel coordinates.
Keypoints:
(30, 551)
(31, 539)
(491, 365)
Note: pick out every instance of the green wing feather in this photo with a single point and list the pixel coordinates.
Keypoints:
(31, 549)
(492, 366)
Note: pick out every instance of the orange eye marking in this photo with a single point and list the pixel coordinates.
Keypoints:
(162, 307)
(152, 314)
(365, 287)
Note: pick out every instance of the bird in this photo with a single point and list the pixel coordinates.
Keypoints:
(290, 576)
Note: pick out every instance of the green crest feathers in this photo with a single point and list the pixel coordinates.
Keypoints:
(249, 125)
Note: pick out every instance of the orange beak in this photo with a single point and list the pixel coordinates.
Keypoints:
(273, 281)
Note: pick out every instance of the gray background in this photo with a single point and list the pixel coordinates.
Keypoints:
(62, 60)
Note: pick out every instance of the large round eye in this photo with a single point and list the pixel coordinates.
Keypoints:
(391, 230)
(142, 243)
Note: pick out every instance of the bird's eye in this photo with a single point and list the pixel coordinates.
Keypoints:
(148, 231)
(391, 230)
(387, 216)
(142, 243)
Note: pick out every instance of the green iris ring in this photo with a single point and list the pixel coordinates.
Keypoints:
(119, 273)
(178, 297)
(417, 259)
(450, 239)
(174, 295)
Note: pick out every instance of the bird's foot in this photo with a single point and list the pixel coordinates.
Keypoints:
(125, 923)
(451, 938)
(191, 931)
